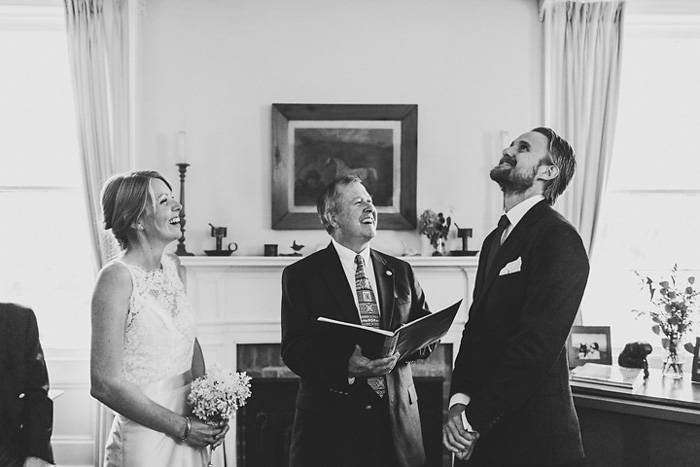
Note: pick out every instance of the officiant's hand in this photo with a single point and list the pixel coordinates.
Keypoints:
(359, 365)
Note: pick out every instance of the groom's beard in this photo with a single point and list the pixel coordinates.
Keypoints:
(510, 179)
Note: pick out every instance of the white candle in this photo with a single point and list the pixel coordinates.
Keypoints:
(182, 153)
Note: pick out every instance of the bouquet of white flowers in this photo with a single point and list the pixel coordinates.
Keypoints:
(216, 395)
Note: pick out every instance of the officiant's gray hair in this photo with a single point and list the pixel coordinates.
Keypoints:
(328, 200)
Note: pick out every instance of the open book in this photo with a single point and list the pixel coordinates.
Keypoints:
(608, 375)
(377, 343)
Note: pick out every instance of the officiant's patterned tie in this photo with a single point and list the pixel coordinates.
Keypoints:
(369, 314)
(503, 224)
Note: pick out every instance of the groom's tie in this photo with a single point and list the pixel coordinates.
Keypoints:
(503, 223)
(369, 314)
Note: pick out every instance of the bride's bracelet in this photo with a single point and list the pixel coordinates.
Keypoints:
(188, 428)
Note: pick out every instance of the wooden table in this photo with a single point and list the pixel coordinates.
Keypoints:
(657, 424)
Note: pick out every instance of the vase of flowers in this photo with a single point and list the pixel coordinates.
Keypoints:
(435, 227)
(215, 396)
(673, 317)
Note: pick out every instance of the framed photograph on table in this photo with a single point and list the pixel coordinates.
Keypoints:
(312, 144)
(589, 344)
(695, 369)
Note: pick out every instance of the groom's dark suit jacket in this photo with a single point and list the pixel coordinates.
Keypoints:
(26, 412)
(512, 360)
(329, 408)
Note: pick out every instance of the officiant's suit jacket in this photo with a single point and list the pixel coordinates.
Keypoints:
(26, 412)
(327, 404)
(512, 360)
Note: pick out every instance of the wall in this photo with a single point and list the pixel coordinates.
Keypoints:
(212, 68)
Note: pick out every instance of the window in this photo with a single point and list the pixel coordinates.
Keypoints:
(651, 212)
(45, 256)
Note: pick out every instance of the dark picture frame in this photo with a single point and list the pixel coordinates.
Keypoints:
(314, 143)
(589, 344)
(695, 371)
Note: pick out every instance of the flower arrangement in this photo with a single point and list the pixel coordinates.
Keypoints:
(674, 312)
(434, 226)
(215, 396)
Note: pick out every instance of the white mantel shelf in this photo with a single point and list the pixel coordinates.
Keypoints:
(237, 300)
(282, 261)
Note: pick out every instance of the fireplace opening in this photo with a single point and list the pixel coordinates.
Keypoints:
(264, 424)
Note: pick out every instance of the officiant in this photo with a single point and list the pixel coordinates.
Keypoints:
(351, 410)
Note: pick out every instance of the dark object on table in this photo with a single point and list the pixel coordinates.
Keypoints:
(634, 355)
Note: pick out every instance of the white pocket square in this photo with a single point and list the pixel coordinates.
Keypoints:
(512, 267)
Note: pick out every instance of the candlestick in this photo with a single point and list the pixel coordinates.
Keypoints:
(181, 250)
(182, 150)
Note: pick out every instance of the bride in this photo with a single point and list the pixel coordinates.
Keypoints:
(144, 353)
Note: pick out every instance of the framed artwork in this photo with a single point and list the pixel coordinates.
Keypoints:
(312, 144)
(589, 344)
(695, 371)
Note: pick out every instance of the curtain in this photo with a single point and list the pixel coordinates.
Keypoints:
(583, 42)
(98, 47)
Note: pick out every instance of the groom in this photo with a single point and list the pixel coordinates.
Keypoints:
(511, 402)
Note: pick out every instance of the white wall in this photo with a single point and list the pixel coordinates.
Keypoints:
(213, 68)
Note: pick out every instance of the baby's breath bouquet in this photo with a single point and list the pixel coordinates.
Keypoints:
(215, 396)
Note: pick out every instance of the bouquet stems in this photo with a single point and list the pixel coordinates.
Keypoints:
(210, 450)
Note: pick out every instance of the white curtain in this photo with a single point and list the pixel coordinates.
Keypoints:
(98, 47)
(583, 42)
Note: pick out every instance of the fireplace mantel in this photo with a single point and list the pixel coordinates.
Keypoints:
(238, 297)
(237, 301)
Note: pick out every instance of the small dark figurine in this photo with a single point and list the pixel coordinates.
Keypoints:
(296, 247)
(634, 355)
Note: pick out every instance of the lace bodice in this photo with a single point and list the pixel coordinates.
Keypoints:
(160, 326)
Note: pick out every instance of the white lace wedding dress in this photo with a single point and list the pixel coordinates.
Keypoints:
(158, 347)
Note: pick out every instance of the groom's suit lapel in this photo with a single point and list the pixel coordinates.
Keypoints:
(508, 250)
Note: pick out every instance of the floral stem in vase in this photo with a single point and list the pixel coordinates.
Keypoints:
(673, 362)
(439, 247)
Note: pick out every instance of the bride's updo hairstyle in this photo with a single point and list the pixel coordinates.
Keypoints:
(124, 197)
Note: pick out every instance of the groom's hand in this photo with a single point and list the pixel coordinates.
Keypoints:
(458, 438)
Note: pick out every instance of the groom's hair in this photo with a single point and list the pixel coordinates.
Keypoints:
(562, 156)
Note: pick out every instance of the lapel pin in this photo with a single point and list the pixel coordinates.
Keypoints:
(389, 273)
